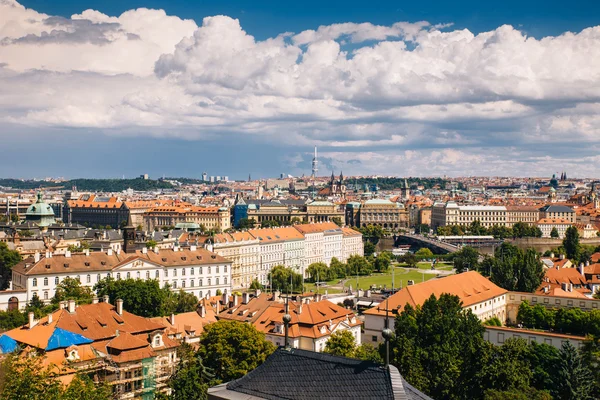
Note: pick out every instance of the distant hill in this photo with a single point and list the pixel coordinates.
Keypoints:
(95, 185)
(397, 183)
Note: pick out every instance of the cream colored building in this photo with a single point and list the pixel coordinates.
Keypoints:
(215, 218)
(352, 244)
(450, 213)
(547, 224)
(526, 214)
(558, 212)
(243, 250)
(384, 213)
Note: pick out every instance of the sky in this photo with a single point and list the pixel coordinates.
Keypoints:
(112, 88)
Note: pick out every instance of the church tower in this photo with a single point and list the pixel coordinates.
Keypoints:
(129, 237)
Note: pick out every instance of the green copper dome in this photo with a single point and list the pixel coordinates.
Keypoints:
(40, 212)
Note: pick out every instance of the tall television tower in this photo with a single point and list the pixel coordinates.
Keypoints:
(315, 164)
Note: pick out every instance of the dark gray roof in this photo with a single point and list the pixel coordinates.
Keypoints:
(553, 208)
(287, 202)
(305, 375)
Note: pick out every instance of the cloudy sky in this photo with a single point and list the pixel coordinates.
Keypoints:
(110, 88)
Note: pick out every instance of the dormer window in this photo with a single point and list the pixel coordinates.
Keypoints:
(87, 264)
(157, 340)
(66, 265)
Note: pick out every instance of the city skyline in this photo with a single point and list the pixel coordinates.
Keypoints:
(105, 89)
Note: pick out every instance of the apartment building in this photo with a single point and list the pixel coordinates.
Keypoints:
(243, 250)
(526, 214)
(352, 244)
(188, 217)
(546, 225)
(384, 213)
(558, 212)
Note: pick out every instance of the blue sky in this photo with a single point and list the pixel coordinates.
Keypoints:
(105, 95)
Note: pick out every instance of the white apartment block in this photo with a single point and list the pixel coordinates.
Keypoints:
(352, 244)
(547, 224)
(194, 270)
(243, 250)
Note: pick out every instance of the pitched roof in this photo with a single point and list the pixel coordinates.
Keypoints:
(565, 275)
(316, 228)
(295, 374)
(470, 287)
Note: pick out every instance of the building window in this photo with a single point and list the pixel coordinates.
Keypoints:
(156, 273)
(209, 270)
(192, 271)
(98, 277)
(200, 283)
(209, 282)
(137, 275)
(88, 278)
(56, 280)
(174, 272)
(34, 282)
(166, 273)
(183, 271)
(147, 275)
(118, 275)
(183, 284)
(200, 294)
(45, 281)
(217, 280)
(225, 268)
(174, 284)
(45, 295)
(192, 283)
(224, 281)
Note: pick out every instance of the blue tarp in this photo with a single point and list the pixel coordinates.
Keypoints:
(7, 344)
(63, 339)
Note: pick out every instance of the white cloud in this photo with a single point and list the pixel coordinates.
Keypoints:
(428, 92)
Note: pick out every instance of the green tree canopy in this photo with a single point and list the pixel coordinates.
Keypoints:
(424, 252)
(439, 348)
(318, 272)
(514, 269)
(358, 265)
(383, 261)
(554, 233)
(341, 343)
(231, 349)
(145, 297)
(573, 379)
(369, 248)
(571, 243)
(256, 285)
(269, 224)
(71, 289)
(246, 223)
(8, 259)
(285, 279)
(191, 378)
(466, 258)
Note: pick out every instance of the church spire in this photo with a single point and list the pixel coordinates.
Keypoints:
(341, 177)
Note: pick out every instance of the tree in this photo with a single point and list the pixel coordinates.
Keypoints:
(246, 223)
(358, 265)
(527, 394)
(8, 259)
(368, 352)
(269, 224)
(231, 349)
(27, 377)
(337, 220)
(505, 369)
(337, 269)
(71, 289)
(383, 261)
(191, 378)
(572, 379)
(475, 228)
(341, 343)
(256, 285)
(516, 270)
(369, 248)
(150, 244)
(318, 272)
(372, 233)
(409, 259)
(554, 233)
(444, 231)
(424, 252)
(285, 280)
(12, 319)
(145, 297)
(422, 228)
(571, 243)
(466, 258)
(439, 348)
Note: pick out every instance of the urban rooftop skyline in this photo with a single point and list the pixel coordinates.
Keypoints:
(105, 89)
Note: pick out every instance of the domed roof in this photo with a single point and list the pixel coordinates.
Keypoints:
(39, 208)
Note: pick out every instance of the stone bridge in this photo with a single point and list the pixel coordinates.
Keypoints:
(434, 245)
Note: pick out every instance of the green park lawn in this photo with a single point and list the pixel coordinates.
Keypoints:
(401, 278)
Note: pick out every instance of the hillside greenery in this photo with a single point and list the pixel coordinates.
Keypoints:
(99, 185)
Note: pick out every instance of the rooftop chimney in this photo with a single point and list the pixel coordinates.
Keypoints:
(562, 256)
(95, 300)
(68, 254)
(245, 298)
(193, 248)
(71, 306)
(62, 305)
(551, 255)
(47, 254)
(225, 299)
(109, 251)
(156, 250)
(119, 304)
(202, 311)
(32, 321)
(106, 299)
(172, 319)
(144, 250)
(257, 292)
(86, 252)
(49, 318)
(235, 300)
(300, 308)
